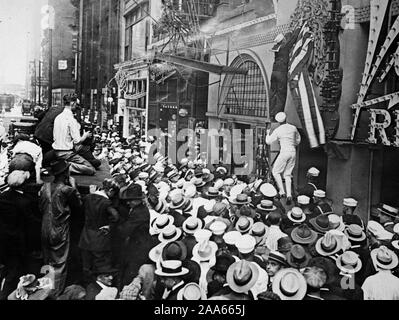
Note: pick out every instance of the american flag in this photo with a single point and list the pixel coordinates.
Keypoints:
(302, 90)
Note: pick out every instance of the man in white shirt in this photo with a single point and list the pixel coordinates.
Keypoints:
(383, 285)
(274, 233)
(289, 138)
(66, 136)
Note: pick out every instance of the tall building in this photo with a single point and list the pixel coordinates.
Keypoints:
(100, 51)
(63, 42)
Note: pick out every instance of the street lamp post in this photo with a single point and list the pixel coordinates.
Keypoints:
(50, 69)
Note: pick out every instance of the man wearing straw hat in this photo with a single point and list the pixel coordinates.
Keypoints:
(383, 285)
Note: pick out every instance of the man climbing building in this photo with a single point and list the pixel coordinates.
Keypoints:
(289, 138)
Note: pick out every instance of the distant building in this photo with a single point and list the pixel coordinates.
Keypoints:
(64, 55)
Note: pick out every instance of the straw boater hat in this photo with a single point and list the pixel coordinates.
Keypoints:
(191, 292)
(190, 191)
(155, 253)
(297, 257)
(198, 182)
(336, 222)
(328, 245)
(171, 268)
(389, 211)
(246, 244)
(268, 190)
(278, 257)
(237, 189)
(378, 231)
(244, 224)
(321, 223)
(313, 172)
(212, 192)
(192, 224)
(169, 234)
(296, 215)
(231, 238)
(202, 235)
(218, 184)
(384, 258)
(242, 276)
(205, 251)
(303, 234)
(303, 200)
(240, 199)
(228, 182)
(350, 202)
(161, 222)
(349, 262)
(355, 233)
(289, 284)
(218, 228)
(160, 207)
(266, 206)
(319, 194)
(178, 202)
(259, 231)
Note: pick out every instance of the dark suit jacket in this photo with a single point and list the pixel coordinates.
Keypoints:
(137, 243)
(44, 130)
(160, 289)
(92, 290)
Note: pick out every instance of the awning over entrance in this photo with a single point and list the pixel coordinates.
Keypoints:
(199, 65)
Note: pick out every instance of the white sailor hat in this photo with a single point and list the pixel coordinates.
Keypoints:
(349, 202)
(313, 172)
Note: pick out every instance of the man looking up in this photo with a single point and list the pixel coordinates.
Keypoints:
(289, 138)
(66, 134)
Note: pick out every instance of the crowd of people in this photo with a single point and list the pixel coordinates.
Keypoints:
(186, 231)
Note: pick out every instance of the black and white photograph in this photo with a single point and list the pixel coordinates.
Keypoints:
(199, 150)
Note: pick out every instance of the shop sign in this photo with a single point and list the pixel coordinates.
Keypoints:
(62, 64)
(169, 106)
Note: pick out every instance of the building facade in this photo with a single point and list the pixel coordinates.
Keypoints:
(99, 51)
(61, 40)
(153, 91)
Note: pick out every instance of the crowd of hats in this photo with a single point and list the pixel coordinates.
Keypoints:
(205, 215)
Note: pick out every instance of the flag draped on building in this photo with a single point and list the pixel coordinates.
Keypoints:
(302, 90)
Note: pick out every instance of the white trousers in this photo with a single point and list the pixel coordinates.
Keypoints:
(285, 164)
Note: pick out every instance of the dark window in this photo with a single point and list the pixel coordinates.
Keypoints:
(246, 94)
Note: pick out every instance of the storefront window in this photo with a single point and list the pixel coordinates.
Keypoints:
(246, 94)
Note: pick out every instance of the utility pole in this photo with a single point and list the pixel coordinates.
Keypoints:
(49, 24)
(50, 69)
(40, 81)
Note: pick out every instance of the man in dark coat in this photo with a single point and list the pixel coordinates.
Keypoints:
(15, 212)
(103, 279)
(44, 132)
(95, 240)
(170, 279)
(137, 241)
